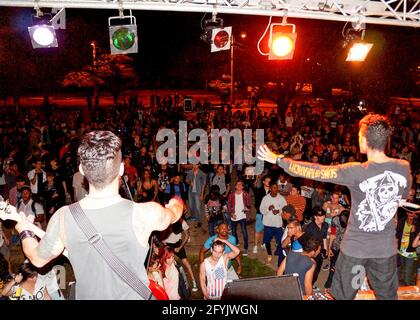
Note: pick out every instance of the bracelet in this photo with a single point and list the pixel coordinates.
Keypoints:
(26, 234)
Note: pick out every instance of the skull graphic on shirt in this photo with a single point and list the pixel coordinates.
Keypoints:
(381, 201)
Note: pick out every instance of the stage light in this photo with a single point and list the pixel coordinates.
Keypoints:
(359, 51)
(123, 38)
(42, 31)
(353, 38)
(208, 26)
(43, 36)
(281, 42)
(221, 39)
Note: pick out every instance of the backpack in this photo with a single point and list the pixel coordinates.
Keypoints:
(183, 285)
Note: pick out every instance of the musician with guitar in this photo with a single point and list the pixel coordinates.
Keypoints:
(105, 235)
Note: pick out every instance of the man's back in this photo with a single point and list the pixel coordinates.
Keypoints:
(95, 279)
(376, 189)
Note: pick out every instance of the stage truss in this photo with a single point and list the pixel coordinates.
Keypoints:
(404, 13)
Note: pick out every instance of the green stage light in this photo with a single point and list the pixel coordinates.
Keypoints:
(123, 37)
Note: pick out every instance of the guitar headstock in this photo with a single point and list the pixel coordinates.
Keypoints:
(8, 212)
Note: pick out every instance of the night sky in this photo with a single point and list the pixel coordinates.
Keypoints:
(171, 53)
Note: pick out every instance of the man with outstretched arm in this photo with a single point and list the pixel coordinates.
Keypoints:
(377, 186)
(124, 225)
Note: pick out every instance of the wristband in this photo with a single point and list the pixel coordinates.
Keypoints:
(279, 158)
(26, 234)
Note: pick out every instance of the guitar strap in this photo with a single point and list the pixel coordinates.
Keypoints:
(95, 239)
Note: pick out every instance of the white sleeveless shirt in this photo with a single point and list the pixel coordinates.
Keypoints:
(216, 277)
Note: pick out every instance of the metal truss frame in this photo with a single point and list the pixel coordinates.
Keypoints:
(404, 13)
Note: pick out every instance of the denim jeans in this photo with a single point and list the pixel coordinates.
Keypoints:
(333, 260)
(212, 227)
(195, 205)
(242, 222)
(228, 221)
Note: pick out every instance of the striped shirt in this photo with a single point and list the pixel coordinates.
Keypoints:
(299, 203)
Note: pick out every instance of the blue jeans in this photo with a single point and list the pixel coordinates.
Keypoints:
(195, 205)
(228, 221)
(242, 222)
(212, 227)
(277, 233)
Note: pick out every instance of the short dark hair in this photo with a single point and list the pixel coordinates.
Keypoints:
(27, 270)
(376, 129)
(309, 243)
(293, 220)
(318, 211)
(26, 188)
(217, 243)
(273, 182)
(297, 187)
(265, 177)
(100, 157)
(20, 178)
(289, 209)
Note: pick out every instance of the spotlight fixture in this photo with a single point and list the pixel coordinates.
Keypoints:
(282, 41)
(220, 39)
(208, 26)
(353, 38)
(123, 38)
(42, 32)
(359, 51)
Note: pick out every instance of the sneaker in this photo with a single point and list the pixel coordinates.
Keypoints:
(263, 246)
(326, 267)
(255, 249)
(245, 253)
(316, 289)
(194, 286)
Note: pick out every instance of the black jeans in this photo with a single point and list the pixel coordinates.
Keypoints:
(349, 275)
(333, 260)
(318, 259)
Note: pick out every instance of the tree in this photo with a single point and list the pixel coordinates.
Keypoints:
(113, 73)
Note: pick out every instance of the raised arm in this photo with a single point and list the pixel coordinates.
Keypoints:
(151, 216)
(235, 250)
(343, 174)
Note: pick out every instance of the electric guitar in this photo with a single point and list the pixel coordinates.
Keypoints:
(9, 212)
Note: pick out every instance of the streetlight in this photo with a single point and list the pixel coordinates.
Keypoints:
(95, 89)
(232, 60)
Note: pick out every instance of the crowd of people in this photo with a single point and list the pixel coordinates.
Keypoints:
(39, 173)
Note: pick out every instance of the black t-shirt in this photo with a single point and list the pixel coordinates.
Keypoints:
(320, 233)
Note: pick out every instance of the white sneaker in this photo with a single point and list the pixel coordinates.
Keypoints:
(245, 253)
(255, 249)
(263, 246)
(194, 287)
